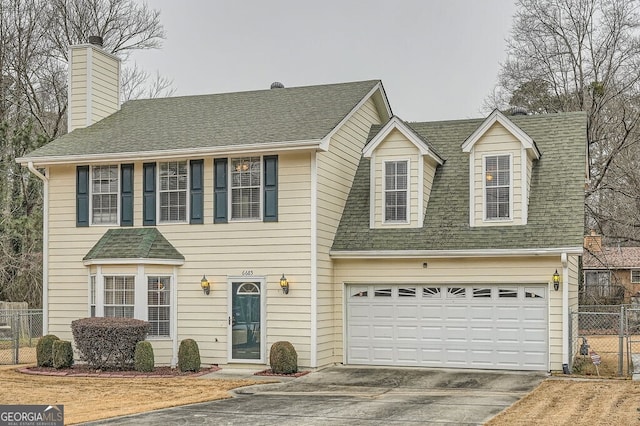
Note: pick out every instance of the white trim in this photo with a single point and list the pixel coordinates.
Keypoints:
(420, 191)
(565, 308)
(434, 254)
(397, 124)
(90, 275)
(314, 262)
(89, 109)
(324, 145)
(69, 93)
(384, 193)
(524, 193)
(472, 187)
(140, 310)
(497, 116)
(95, 47)
(372, 191)
(183, 153)
(45, 245)
(174, 318)
(133, 261)
(485, 219)
(99, 292)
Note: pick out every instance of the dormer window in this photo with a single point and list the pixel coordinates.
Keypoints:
(497, 181)
(395, 191)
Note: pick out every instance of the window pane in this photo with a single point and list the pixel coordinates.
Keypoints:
(396, 193)
(246, 175)
(159, 305)
(104, 194)
(174, 180)
(497, 187)
(119, 296)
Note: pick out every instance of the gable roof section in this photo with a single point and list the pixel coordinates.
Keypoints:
(556, 200)
(285, 118)
(396, 123)
(497, 117)
(612, 258)
(133, 245)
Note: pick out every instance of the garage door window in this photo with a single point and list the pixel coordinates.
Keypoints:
(383, 292)
(359, 292)
(431, 292)
(507, 292)
(534, 293)
(481, 292)
(456, 292)
(407, 292)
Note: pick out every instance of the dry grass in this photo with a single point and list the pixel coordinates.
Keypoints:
(88, 399)
(573, 402)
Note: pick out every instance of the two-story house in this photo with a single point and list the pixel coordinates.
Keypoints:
(313, 215)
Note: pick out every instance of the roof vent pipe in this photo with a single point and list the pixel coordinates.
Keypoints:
(277, 85)
(518, 110)
(95, 40)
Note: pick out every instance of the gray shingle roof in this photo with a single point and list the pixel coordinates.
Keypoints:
(133, 243)
(219, 120)
(556, 204)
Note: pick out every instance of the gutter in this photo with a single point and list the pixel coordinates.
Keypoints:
(435, 254)
(45, 246)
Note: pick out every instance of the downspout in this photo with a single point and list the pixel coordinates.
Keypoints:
(314, 261)
(565, 312)
(45, 246)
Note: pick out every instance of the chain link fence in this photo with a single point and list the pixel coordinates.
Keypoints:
(20, 330)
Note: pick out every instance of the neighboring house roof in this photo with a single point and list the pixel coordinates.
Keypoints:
(135, 244)
(612, 258)
(556, 204)
(245, 120)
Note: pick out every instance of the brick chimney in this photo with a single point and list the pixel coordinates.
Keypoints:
(593, 242)
(94, 84)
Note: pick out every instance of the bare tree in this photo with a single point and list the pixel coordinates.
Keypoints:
(35, 36)
(584, 55)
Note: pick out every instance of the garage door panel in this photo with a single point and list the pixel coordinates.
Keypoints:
(496, 328)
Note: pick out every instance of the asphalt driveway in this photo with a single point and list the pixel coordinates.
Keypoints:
(358, 396)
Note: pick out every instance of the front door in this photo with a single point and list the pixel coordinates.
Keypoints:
(246, 319)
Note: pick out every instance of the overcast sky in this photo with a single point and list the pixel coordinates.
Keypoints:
(437, 59)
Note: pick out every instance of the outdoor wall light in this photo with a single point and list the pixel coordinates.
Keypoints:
(284, 284)
(556, 280)
(204, 283)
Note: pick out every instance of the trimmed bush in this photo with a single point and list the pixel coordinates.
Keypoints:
(44, 350)
(189, 356)
(143, 359)
(62, 354)
(109, 343)
(283, 358)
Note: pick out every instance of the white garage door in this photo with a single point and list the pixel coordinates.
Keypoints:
(465, 326)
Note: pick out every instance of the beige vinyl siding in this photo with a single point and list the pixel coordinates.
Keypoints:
(429, 173)
(497, 141)
(266, 250)
(396, 147)
(509, 270)
(335, 171)
(95, 86)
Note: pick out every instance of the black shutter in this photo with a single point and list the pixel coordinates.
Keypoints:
(270, 188)
(82, 196)
(220, 191)
(197, 191)
(126, 195)
(149, 194)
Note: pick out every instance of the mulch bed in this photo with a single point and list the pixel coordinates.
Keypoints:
(268, 372)
(86, 371)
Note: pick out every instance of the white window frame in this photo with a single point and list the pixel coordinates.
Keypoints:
(637, 281)
(159, 191)
(231, 189)
(170, 292)
(118, 194)
(407, 190)
(93, 290)
(484, 188)
(135, 295)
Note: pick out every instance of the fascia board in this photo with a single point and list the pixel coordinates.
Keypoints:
(135, 261)
(434, 254)
(172, 153)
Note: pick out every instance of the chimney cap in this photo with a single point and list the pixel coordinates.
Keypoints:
(277, 85)
(95, 40)
(518, 110)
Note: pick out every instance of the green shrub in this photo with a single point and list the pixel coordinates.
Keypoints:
(44, 350)
(143, 358)
(62, 354)
(108, 343)
(283, 358)
(189, 356)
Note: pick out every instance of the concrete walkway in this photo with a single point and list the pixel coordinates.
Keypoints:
(356, 396)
